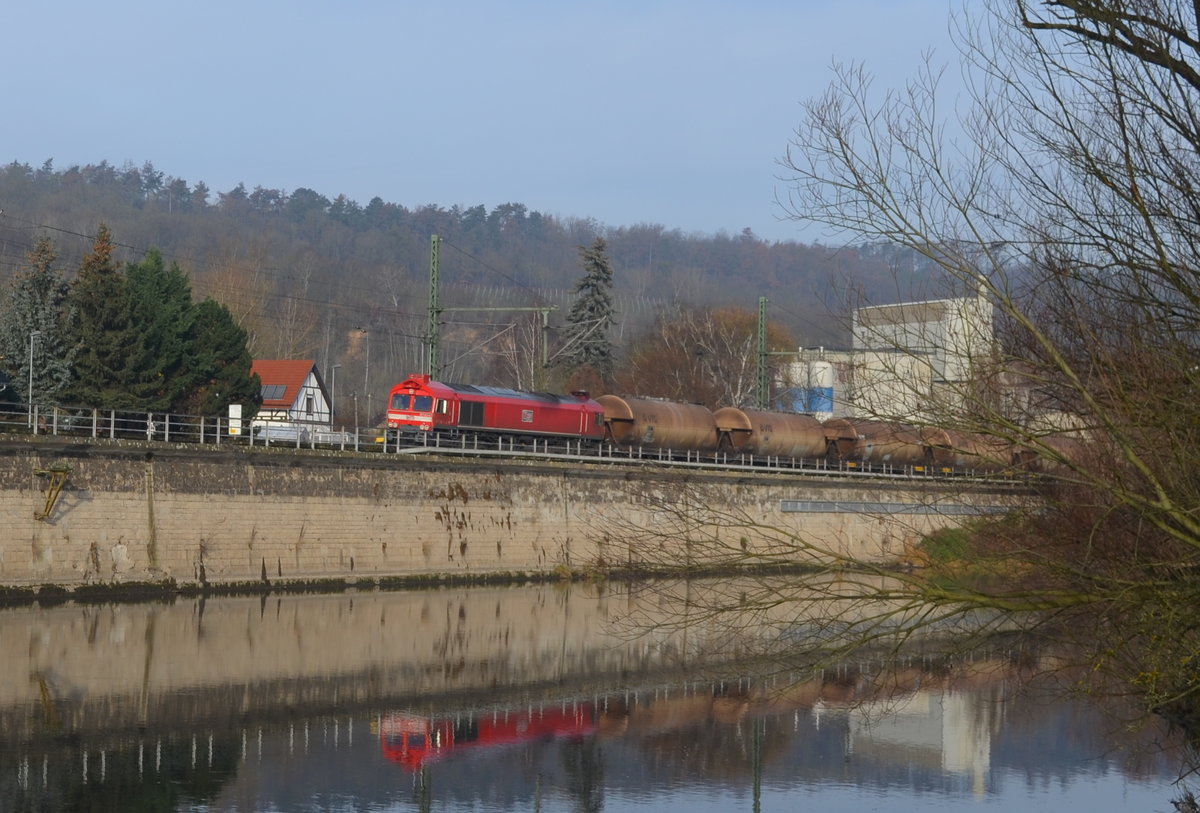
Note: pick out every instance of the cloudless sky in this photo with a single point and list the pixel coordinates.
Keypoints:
(628, 112)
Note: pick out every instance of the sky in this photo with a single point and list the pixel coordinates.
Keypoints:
(673, 113)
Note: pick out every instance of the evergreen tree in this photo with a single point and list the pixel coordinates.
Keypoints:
(161, 310)
(143, 344)
(586, 344)
(221, 363)
(33, 323)
(106, 342)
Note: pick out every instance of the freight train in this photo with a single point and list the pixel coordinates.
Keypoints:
(420, 405)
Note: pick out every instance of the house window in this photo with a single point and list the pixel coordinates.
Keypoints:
(308, 405)
(272, 392)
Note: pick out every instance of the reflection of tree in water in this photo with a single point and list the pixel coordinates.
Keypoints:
(126, 788)
(583, 763)
(709, 734)
(1057, 716)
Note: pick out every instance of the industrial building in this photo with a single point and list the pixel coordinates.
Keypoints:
(908, 362)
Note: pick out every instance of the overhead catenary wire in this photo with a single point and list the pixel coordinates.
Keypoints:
(485, 265)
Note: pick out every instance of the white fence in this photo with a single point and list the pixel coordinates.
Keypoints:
(173, 428)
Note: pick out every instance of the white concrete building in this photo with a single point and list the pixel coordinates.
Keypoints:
(908, 362)
(914, 359)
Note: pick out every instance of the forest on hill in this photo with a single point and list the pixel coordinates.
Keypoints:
(308, 276)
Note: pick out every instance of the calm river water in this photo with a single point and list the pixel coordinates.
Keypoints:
(546, 698)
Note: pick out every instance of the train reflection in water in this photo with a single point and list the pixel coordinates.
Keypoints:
(413, 740)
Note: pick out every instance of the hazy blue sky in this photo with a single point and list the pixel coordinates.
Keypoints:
(628, 112)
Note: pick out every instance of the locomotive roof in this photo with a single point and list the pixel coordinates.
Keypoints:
(501, 392)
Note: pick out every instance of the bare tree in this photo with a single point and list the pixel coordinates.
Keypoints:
(705, 356)
(1063, 189)
(517, 354)
(239, 282)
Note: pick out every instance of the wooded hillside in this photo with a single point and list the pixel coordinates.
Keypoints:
(310, 276)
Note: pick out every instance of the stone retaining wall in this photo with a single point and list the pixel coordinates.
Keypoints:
(149, 512)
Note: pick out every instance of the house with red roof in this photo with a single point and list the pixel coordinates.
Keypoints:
(293, 394)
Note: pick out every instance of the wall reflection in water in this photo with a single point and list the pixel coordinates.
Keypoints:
(515, 699)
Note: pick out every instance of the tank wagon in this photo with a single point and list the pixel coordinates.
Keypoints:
(880, 443)
(771, 434)
(1054, 454)
(876, 443)
(957, 450)
(656, 423)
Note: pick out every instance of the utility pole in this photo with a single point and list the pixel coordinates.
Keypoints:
(433, 335)
(33, 334)
(762, 392)
(762, 388)
(333, 393)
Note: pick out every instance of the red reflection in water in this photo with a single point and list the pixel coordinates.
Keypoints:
(412, 741)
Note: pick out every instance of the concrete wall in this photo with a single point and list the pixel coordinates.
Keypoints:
(147, 512)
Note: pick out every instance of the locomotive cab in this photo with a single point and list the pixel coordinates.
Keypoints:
(417, 405)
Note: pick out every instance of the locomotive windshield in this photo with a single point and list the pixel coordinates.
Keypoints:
(412, 403)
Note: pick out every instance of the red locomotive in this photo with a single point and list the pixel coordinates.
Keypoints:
(419, 404)
(414, 741)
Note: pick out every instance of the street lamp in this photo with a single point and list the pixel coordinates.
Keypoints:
(332, 391)
(33, 334)
(366, 373)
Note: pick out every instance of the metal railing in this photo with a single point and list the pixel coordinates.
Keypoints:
(133, 425)
(217, 431)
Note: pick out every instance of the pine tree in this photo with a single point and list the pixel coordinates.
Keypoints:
(33, 324)
(108, 347)
(143, 344)
(161, 311)
(586, 345)
(221, 363)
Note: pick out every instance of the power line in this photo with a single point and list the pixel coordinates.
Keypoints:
(493, 269)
